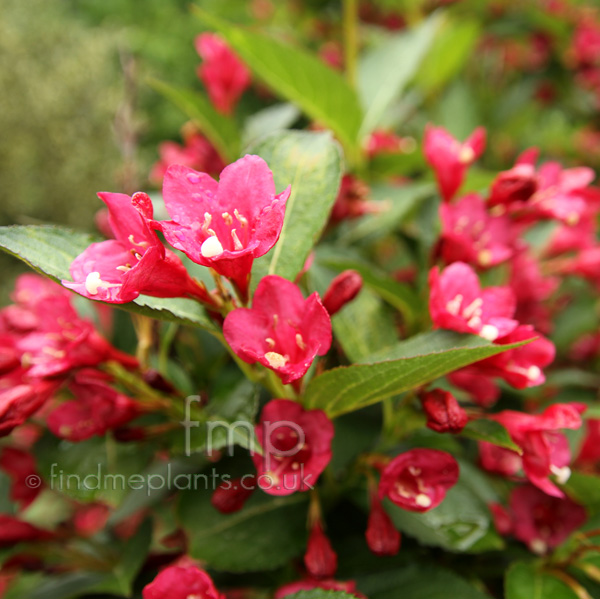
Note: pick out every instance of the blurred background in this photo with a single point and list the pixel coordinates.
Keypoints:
(77, 114)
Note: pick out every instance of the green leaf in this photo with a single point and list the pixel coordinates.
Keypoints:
(322, 93)
(418, 581)
(311, 163)
(448, 54)
(264, 535)
(221, 131)
(491, 432)
(50, 250)
(61, 586)
(385, 71)
(320, 594)
(524, 580)
(459, 523)
(410, 364)
(268, 120)
(585, 489)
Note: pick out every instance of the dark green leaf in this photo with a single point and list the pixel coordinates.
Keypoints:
(221, 131)
(311, 163)
(491, 432)
(585, 489)
(410, 364)
(524, 580)
(264, 535)
(320, 594)
(300, 77)
(50, 250)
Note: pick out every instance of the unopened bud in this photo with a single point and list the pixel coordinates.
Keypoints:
(381, 534)
(157, 381)
(230, 496)
(343, 289)
(320, 559)
(444, 414)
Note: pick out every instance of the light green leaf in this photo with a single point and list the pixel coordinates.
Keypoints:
(322, 93)
(385, 71)
(50, 250)
(221, 131)
(524, 580)
(491, 432)
(268, 120)
(410, 364)
(264, 535)
(311, 163)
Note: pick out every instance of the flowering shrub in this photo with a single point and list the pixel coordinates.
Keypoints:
(339, 370)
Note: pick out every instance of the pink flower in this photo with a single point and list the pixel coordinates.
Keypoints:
(222, 72)
(224, 225)
(282, 330)
(342, 289)
(90, 518)
(13, 531)
(381, 534)
(177, 582)
(135, 262)
(589, 453)
(20, 465)
(352, 200)
(481, 388)
(470, 234)
(296, 444)
(458, 303)
(418, 480)
(309, 584)
(443, 412)
(450, 158)
(320, 559)
(96, 409)
(512, 189)
(541, 521)
(383, 142)
(545, 449)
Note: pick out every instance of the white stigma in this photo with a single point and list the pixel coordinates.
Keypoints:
(489, 332)
(538, 546)
(237, 244)
(562, 474)
(422, 500)
(453, 306)
(276, 360)
(466, 155)
(300, 342)
(533, 373)
(93, 282)
(211, 247)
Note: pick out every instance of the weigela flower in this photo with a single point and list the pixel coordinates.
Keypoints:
(482, 389)
(177, 582)
(222, 72)
(90, 519)
(471, 235)
(540, 521)
(342, 289)
(352, 200)
(282, 330)
(443, 412)
(573, 238)
(197, 153)
(418, 480)
(381, 534)
(512, 189)
(224, 225)
(457, 302)
(231, 495)
(20, 465)
(589, 453)
(308, 584)
(384, 142)
(13, 531)
(545, 450)
(320, 559)
(96, 409)
(296, 445)
(135, 262)
(450, 158)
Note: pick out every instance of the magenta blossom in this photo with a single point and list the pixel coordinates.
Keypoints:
(135, 262)
(296, 444)
(450, 158)
(177, 582)
(458, 303)
(224, 225)
(470, 234)
(282, 330)
(418, 480)
(222, 72)
(545, 449)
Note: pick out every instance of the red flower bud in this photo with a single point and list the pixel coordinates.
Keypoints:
(444, 414)
(343, 289)
(320, 559)
(231, 495)
(382, 537)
